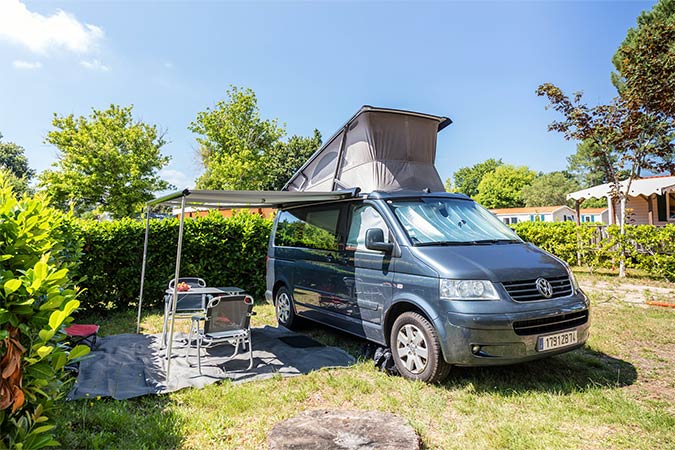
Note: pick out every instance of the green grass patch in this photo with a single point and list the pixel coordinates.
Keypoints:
(617, 392)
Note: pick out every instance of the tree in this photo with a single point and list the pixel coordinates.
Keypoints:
(107, 162)
(467, 179)
(502, 188)
(285, 158)
(233, 142)
(549, 189)
(587, 169)
(645, 61)
(13, 159)
(625, 139)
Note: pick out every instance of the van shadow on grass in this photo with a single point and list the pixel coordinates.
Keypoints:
(576, 371)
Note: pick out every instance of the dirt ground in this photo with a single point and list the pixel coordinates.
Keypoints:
(629, 292)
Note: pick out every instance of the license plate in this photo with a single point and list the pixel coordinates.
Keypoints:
(556, 340)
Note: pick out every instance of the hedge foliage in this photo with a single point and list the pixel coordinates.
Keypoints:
(648, 248)
(37, 298)
(222, 251)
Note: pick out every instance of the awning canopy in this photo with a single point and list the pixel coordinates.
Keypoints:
(643, 186)
(248, 199)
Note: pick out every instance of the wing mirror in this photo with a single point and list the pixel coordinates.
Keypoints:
(375, 241)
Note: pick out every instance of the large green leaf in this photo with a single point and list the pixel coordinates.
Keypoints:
(11, 286)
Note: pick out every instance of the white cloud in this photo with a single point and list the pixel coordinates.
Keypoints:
(168, 65)
(95, 64)
(42, 33)
(176, 177)
(26, 65)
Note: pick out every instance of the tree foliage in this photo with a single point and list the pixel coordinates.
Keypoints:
(625, 139)
(240, 150)
(550, 189)
(502, 188)
(466, 179)
(107, 162)
(13, 159)
(645, 61)
(285, 158)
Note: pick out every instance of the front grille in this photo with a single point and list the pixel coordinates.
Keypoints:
(526, 290)
(550, 324)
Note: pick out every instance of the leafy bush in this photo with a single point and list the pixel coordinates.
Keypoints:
(647, 247)
(36, 300)
(223, 251)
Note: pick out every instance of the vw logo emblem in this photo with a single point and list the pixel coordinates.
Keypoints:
(544, 287)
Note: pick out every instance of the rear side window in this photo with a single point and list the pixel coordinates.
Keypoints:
(308, 228)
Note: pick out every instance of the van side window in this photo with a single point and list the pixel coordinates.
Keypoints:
(304, 227)
(363, 218)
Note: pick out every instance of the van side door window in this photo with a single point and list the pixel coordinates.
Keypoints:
(370, 287)
(307, 241)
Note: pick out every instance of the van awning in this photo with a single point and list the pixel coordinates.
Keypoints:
(246, 199)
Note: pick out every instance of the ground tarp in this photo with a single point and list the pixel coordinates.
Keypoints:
(131, 365)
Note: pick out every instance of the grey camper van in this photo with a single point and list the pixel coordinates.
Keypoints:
(432, 275)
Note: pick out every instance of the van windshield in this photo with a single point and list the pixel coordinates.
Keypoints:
(447, 221)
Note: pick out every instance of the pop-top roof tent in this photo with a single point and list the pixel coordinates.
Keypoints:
(378, 149)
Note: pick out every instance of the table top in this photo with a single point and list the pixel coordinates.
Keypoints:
(209, 290)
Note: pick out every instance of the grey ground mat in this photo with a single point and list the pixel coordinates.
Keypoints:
(130, 365)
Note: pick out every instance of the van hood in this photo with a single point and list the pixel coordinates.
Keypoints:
(494, 262)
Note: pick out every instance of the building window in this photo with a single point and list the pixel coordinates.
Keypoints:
(670, 203)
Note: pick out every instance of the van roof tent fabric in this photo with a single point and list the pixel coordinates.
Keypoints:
(378, 149)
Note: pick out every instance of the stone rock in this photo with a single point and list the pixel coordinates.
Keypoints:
(343, 430)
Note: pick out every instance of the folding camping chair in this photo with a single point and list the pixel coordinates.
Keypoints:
(227, 320)
(186, 306)
(82, 334)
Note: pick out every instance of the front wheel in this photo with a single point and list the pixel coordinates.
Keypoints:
(417, 350)
(283, 303)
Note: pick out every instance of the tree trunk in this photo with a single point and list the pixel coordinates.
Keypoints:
(622, 249)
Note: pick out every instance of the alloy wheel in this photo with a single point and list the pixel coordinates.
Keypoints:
(412, 348)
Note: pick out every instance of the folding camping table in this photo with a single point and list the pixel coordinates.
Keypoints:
(192, 301)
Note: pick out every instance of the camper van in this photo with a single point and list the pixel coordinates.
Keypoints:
(433, 276)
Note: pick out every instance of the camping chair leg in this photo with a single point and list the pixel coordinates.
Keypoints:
(199, 352)
(250, 353)
(189, 343)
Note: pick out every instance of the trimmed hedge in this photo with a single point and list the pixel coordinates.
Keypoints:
(223, 251)
(647, 247)
(232, 251)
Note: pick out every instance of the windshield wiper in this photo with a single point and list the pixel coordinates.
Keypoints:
(442, 243)
(477, 242)
(495, 241)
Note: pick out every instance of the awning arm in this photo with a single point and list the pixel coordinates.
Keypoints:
(169, 197)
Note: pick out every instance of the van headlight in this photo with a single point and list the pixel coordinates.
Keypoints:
(573, 280)
(467, 290)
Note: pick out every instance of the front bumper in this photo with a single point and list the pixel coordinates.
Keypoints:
(498, 340)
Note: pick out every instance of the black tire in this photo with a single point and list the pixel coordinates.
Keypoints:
(285, 309)
(418, 338)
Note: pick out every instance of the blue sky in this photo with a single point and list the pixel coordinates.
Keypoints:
(312, 65)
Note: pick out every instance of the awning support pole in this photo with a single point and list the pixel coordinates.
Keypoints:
(174, 299)
(145, 255)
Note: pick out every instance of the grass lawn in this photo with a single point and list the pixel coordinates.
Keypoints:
(618, 392)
